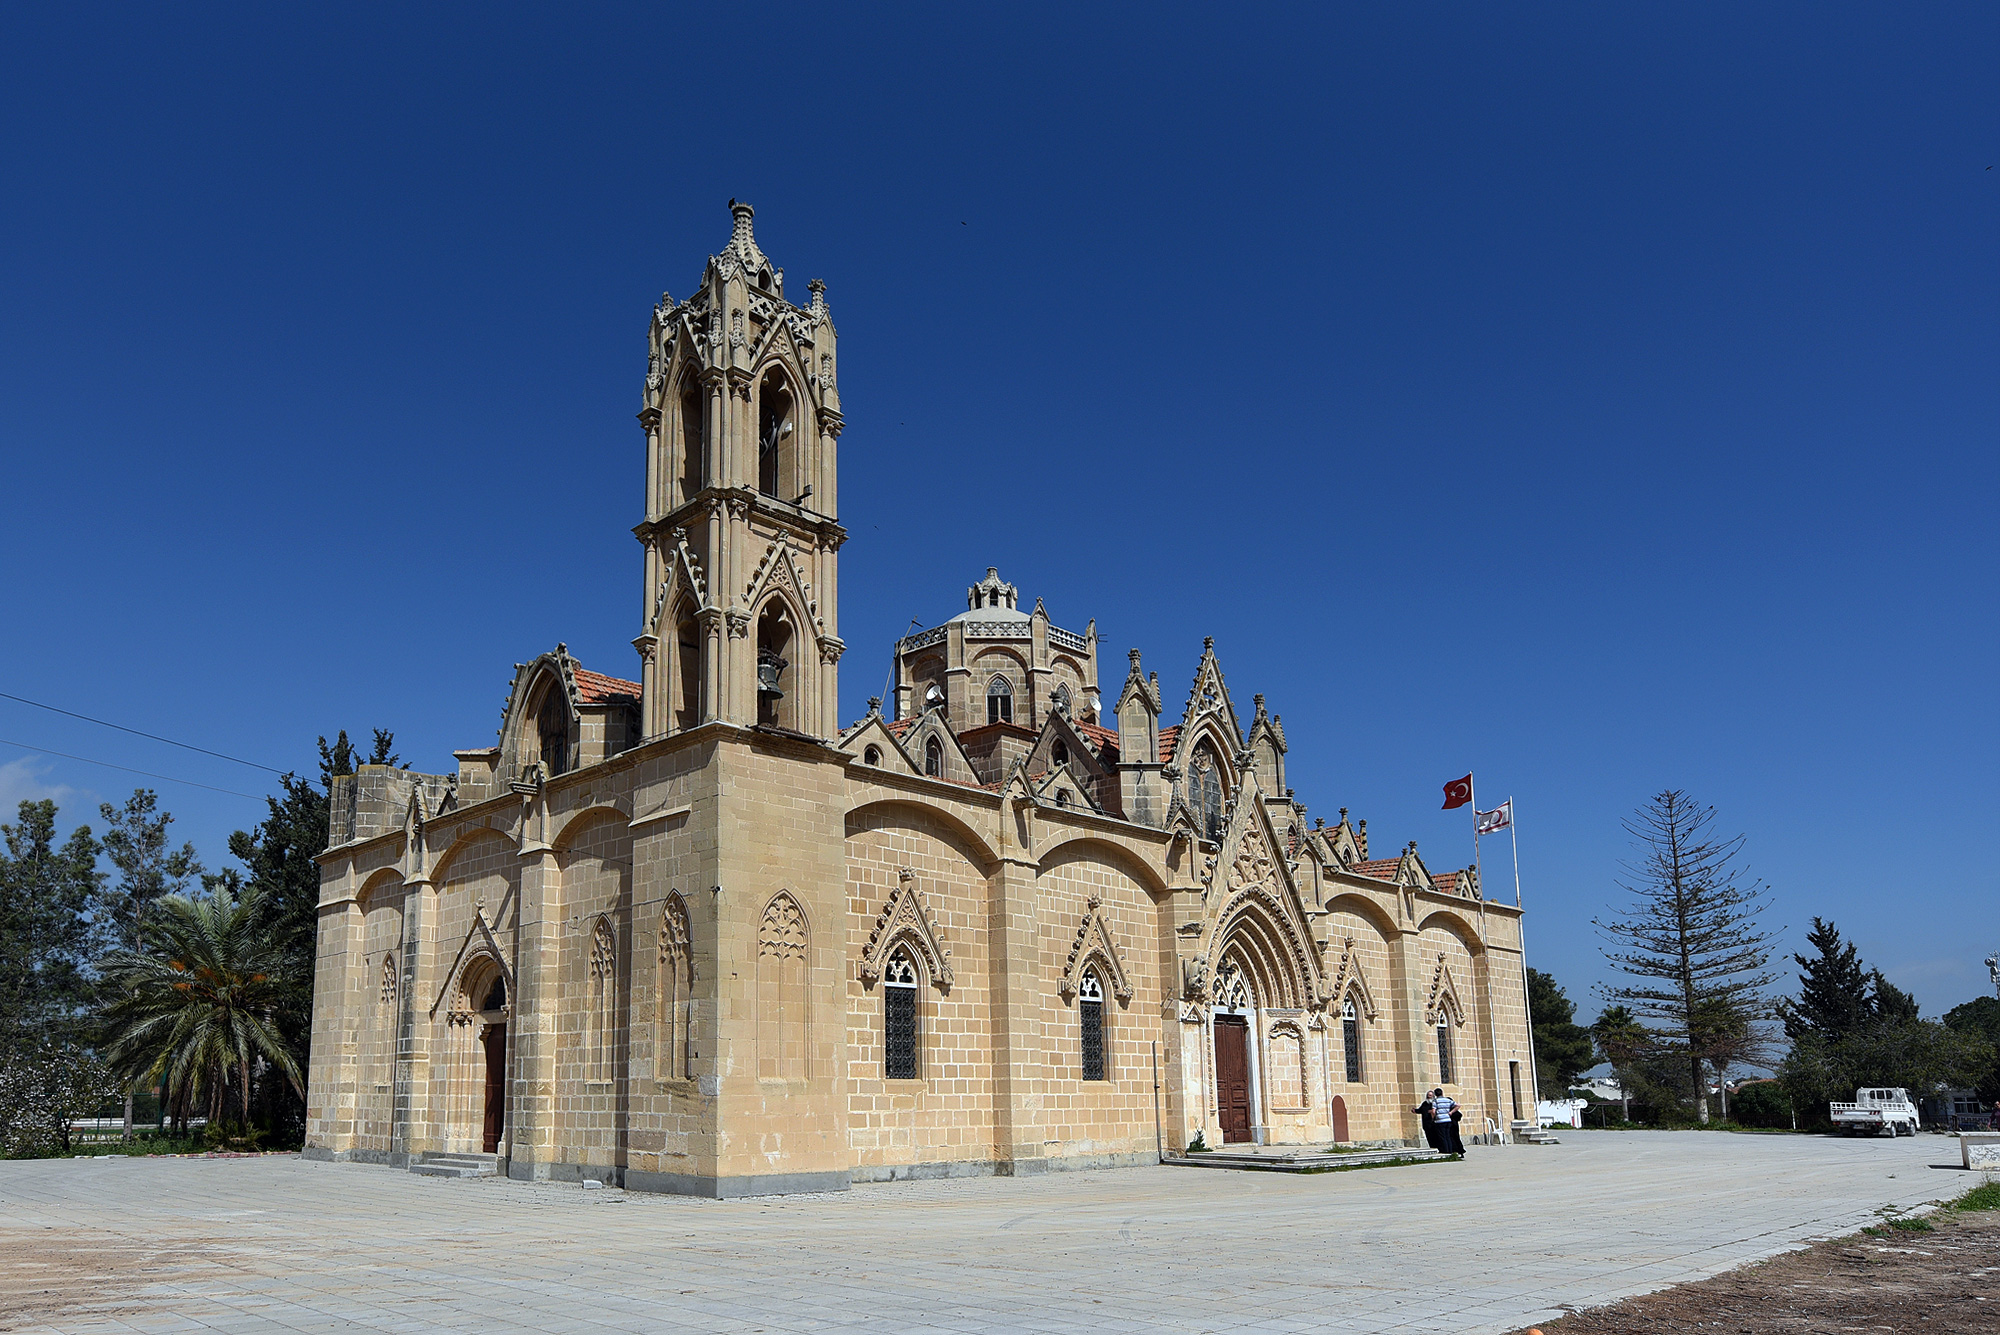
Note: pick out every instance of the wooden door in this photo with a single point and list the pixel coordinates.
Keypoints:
(1232, 1077)
(1340, 1118)
(495, 1040)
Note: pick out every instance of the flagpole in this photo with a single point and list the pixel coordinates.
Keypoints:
(1515, 839)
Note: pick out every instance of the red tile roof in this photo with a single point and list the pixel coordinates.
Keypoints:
(1446, 882)
(1096, 732)
(1382, 869)
(897, 727)
(1168, 737)
(594, 688)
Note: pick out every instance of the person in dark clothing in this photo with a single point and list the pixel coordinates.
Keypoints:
(1423, 1112)
(1444, 1119)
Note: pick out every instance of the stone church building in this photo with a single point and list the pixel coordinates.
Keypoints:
(693, 933)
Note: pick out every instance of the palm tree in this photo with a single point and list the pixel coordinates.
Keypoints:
(201, 997)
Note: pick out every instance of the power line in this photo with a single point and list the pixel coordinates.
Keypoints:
(136, 733)
(43, 751)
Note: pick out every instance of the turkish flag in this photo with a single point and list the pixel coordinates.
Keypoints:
(1457, 793)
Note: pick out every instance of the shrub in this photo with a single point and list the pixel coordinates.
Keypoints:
(1764, 1104)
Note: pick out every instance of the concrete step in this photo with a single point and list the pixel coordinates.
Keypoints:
(1304, 1161)
(457, 1165)
(1528, 1133)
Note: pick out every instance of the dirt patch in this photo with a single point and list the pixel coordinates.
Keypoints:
(45, 1277)
(1944, 1282)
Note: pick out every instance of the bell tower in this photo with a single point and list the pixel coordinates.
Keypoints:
(740, 621)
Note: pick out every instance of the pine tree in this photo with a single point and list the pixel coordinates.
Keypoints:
(135, 839)
(1563, 1048)
(46, 944)
(1833, 989)
(1690, 936)
(1888, 1001)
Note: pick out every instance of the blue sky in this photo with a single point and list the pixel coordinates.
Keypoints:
(1600, 401)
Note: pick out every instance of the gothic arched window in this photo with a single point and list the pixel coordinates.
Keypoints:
(934, 758)
(1444, 1049)
(872, 756)
(687, 674)
(1090, 1019)
(603, 998)
(1059, 754)
(899, 1017)
(691, 438)
(777, 693)
(552, 723)
(1350, 1040)
(999, 701)
(1205, 792)
(776, 472)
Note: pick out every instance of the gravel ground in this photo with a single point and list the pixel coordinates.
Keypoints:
(1940, 1282)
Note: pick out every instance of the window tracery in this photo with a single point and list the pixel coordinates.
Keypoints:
(934, 758)
(1350, 1040)
(899, 1017)
(1090, 1019)
(999, 701)
(603, 996)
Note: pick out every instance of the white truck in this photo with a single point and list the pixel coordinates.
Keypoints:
(1875, 1111)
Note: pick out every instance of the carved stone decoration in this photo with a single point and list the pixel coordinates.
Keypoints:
(739, 623)
(1093, 944)
(1444, 997)
(1194, 977)
(1253, 865)
(736, 329)
(906, 920)
(1312, 978)
(830, 649)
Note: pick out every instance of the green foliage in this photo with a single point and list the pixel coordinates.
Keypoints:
(1833, 988)
(202, 1002)
(1980, 1198)
(1563, 1049)
(1199, 1145)
(47, 1081)
(46, 941)
(1763, 1104)
(1689, 940)
(135, 840)
(1889, 1001)
(1981, 1016)
(1922, 1056)
(1911, 1225)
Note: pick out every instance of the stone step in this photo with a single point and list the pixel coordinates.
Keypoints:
(457, 1165)
(1528, 1133)
(1305, 1161)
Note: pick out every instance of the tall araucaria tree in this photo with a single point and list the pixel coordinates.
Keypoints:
(1689, 942)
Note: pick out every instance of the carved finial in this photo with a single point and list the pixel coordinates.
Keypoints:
(904, 875)
(1258, 701)
(1343, 815)
(818, 290)
(1208, 644)
(742, 213)
(1133, 654)
(874, 704)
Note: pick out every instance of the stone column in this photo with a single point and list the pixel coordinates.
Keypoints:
(340, 982)
(1019, 1062)
(534, 1029)
(411, 1131)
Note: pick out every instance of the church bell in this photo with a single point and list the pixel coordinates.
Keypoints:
(769, 668)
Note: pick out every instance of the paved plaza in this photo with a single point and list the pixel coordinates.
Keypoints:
(1507, 1237)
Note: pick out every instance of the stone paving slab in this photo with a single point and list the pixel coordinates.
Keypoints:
(1487, 1245)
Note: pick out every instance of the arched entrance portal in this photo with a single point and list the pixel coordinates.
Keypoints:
(487, 993)
(1235, 1087)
